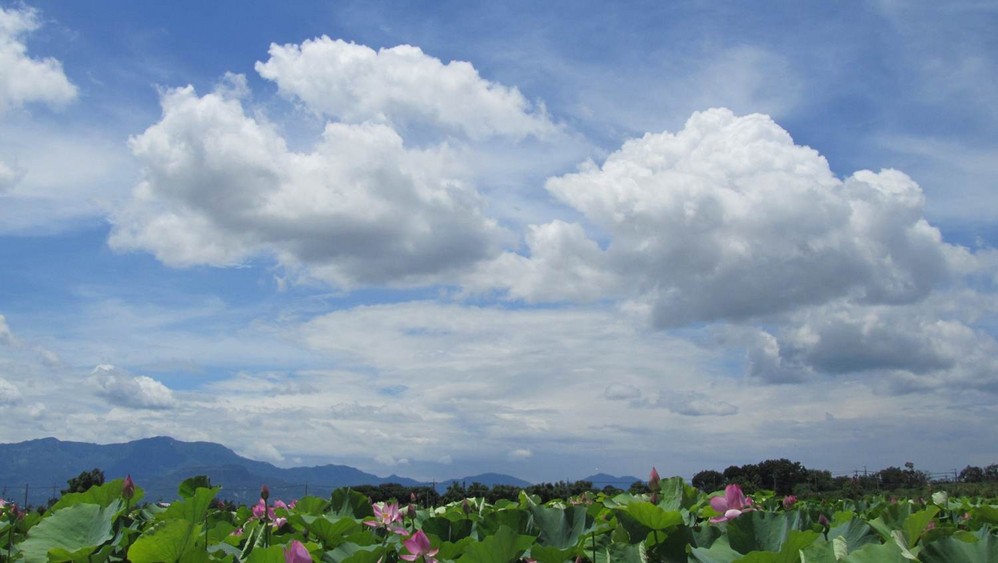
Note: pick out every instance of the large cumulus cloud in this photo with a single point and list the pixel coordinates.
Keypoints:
(221, 187)
(729, 219)
(401, 85)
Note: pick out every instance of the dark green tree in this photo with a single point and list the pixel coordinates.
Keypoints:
(477, 490)
(84, 481)
(708, 480)
(455, 492)
(971, 474)
(780, 475)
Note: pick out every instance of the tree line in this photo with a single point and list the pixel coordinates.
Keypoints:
(782, 476)
(790, 477)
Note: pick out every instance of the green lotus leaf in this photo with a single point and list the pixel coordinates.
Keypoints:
(172, 540)
(949, 550)
(73, 532)
(101, 495)
(501, 547)
(560, 527)
(348, 502)
(332, 532)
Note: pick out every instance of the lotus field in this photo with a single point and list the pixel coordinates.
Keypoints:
(675, 522)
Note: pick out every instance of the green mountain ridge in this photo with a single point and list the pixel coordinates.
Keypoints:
(39, 470)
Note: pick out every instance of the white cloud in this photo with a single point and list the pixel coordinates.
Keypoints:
(900, 349)
(621, 392)
(729, 219)
(24, 79)
(9, 176)
(400, 86)
(520, 453)
(958, 175)
(127, 390)
(692, 403)
(687, 403)
(221, 187)
(9, 393)
(6, 336)
(54, 172)
(746, 79)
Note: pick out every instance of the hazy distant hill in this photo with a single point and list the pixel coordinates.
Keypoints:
(601, 480)
(488, 479)
(158, 465)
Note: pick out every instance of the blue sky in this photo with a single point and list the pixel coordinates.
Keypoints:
(543, 239)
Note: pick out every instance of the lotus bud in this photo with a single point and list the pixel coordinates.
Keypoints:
(15, 512)
(789, 501)
(823, 520)
(264, 492)
(653, 480)
(128, 489)
(296, 552)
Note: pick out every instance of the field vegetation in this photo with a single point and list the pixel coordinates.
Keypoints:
(658, 520)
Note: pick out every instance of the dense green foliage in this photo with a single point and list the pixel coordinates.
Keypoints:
(672, 522)
(84, 481)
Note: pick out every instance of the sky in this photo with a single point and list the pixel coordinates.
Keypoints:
(544, 239)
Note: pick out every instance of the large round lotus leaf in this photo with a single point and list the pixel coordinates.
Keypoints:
(75, 532)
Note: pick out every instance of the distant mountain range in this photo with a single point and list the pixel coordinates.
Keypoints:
(158, 465)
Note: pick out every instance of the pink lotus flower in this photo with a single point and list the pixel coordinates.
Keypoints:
(419, 545)
(789, 501)
(731, 505)
(260, 509)
(297, 553)
(385, 516)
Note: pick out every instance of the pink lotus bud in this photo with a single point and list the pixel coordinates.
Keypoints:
(128, 489)
(653, 479)
(789, 501)
(264, 492)
(823, 520)
(297, 553)
(15, 512)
